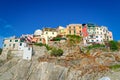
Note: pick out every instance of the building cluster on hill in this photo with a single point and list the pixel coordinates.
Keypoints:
(90, 33)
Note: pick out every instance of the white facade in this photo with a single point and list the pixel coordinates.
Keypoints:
(16, 46)
(98, 35)
(50, 34)
(27, 53)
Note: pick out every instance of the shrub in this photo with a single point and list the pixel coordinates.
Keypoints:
(114, 67)
(113, 45)
(56, 52)
(48, 47)
(73, 40)
(96, 46)
(38, 44)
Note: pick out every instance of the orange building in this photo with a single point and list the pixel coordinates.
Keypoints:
(74, 29)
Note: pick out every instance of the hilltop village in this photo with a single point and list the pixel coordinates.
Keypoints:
(89, 33)
(74, 52)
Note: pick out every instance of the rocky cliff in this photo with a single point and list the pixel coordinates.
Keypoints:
(18, 69)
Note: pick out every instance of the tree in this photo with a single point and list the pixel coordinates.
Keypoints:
(113, 45)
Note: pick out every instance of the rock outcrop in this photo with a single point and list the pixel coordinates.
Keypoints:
(19, 69)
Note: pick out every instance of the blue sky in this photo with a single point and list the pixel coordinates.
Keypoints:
(25, 16)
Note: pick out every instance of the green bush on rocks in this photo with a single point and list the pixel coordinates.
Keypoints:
(56, 52)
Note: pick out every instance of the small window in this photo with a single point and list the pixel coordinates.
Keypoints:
(16, 40)
(96, 36)
(69, 32)
(46, 32)
(79, 27)
(74, 31)
(52, 32)
(92, 40)
(97, 40)
(70, 27)
(10, 40)
(40, 39)
(4, 45)
(74, 27)
(28, 48)
(9, 44)
(20, 44)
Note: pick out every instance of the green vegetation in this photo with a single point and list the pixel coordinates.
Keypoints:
(73, 39)
(56, 52)
(114, 67)
(0, 51)
(47, 47)
(113, 45)
(40, 44)
(56, 39)
(95, 46)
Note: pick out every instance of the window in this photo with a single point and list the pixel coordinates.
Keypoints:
(40, 39)
(69, 32)
(92, 40)
(4, 45)
(9, 44)
(20, 44)
(10, 40)
(46, 32)
(28, 48)
(74, 27)
(69, 27)
(13, 45)
(16, 40)
(74, 31)
(101, 36)
(96, 36)
(79, 27)
(97, 40)
(101, 32)
(52, 32)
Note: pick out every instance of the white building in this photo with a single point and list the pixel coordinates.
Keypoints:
(98, 34)
(39, 37)
(50, 33)
(18, 47)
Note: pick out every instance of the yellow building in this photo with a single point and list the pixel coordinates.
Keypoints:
(74, 29)
(61, 30)
(50, 33)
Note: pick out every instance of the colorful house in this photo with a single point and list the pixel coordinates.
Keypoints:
(74, 29)
(61, 30)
